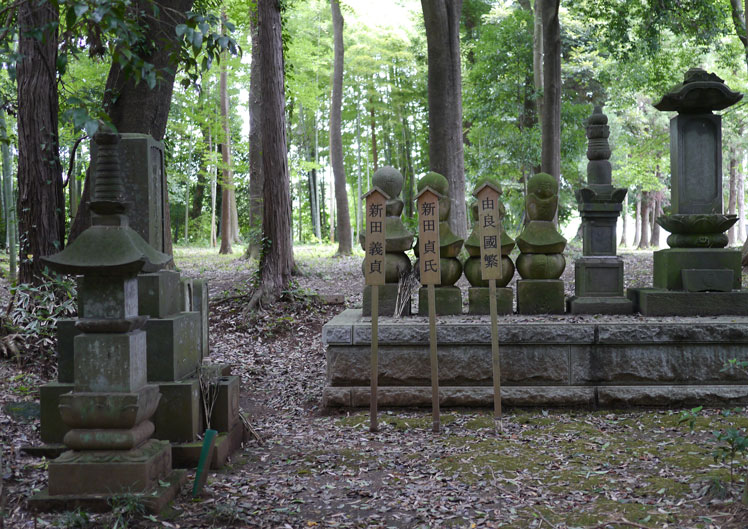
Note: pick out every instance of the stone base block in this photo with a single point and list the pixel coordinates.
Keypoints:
(598, 276)
(52, 428)
(478, 300)
(387, 300)
(658, 302)
(110, 472)
(159, 294)
(707, 280)
(540, 296)
(669, 264)
(173, 346)
(187, 455)
(66, 333)
(448, 301)
(599, 305)
(178, 417)
(529, 396)
(154, 500)
(226, 409)
(113, 362)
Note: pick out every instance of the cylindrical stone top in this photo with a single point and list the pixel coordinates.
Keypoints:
(598, 150)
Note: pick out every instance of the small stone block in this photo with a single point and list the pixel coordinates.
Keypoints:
(669, 264)
(110, 362)
(186, 289)
(387, 300)
(707, 280)
(52, 428)
(200, 304)
(226, 408)
(540, 296)
(107, 297)
(448, 301)
(66, 333)
(478, 300)
(658, 302)
(159, 294)
(110, 472)
(187, 455)
(598, 276)
(599, 305)
(173, 346)
(178, 418)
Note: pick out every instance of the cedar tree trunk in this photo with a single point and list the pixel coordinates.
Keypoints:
(255, 149)
(550, 160)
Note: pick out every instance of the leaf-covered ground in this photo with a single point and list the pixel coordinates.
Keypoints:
(315, 468)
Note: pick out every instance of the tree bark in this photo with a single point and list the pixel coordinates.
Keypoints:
(336, 140)
(638, 221)
(656, 211)
(624, 221)
(227, 221)
(732, 198)
(9, 210)
(537, 57)
(41, 200)
(277, 260)
(741, 202)
(551, 116)
(134, 107)
(644, 236)
(373, 135)
(255, 149)
(446, 154)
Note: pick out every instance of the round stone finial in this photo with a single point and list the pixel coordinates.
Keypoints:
(389, 180)
(542, 185)
(435, 181)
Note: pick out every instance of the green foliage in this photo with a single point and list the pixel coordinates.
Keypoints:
(126, 507)
(77, 519)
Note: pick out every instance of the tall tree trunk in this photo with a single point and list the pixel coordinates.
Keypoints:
(314, 201)
(41, 199)
(359, 211)
(255, 149)
(227, 237)
(638, 221)
(336, 141)
(741, 201)
(551, 117)
(133, 106)
(373, 134)
(624, 221)
(213, 193)
(656, 211)
(277, 259)
(644, 236)
(732, 198)
(446, 155)
(9, 210)
(537, 57)
(411, 186)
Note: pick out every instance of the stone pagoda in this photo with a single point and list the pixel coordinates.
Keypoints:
(598, 275)
(478, 302)
(541, 261)
(399, 241)
(697, 275)
(448, 298)
(109, 409)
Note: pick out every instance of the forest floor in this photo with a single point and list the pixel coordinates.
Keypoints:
(321, 468)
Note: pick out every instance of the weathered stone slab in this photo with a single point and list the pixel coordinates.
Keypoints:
(104, 297)
(464, 396)
(479, 300)
(599, 305)
(676, 395)
(226, 409)
(52, 429)
(598, 276)
(178, 417)
(66, 333)
(448, 300)
(707, 280)
(657, 302)
(664, 364)
(159, 294)
(458, 365)
(669, 263)
(200, 304)
(387, 300)
(173, 346)
(110, 362)
(540, 296)
(718, 330)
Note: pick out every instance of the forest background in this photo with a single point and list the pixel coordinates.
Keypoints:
(624, 54)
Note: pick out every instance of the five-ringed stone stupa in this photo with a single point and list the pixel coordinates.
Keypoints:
(478, 293)
(399, 240)
(541, 261)
(697, 275)
(447, 296)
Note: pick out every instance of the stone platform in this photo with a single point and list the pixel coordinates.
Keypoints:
(554, 361)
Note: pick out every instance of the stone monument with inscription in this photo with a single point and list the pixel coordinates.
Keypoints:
(598, 275)
(697, 275)
(541, 261)
(399, 241)
(448, 299)
(478, 292)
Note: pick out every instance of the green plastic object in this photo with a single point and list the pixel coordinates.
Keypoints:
(203, 465)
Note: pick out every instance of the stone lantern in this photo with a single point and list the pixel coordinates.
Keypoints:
(697, 275)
